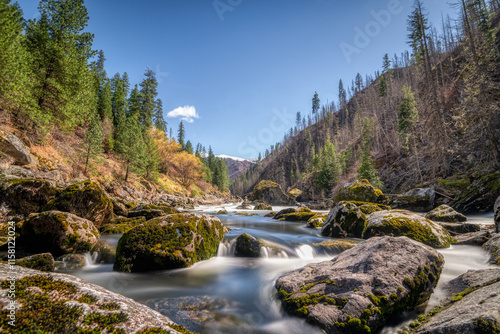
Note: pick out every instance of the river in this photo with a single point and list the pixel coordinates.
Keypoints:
(237, 295)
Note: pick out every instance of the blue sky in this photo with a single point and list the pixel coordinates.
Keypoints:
(246, 66)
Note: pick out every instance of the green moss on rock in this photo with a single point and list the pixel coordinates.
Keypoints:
(169, 242)
(42, 262)
(25, 196)
(150, 211)
(360, 191)
(345, 220)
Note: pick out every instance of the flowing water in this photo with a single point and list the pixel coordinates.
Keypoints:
(236, 295)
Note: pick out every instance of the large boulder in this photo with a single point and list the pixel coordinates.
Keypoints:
(247, 246)
(271, 193)
(473, 309)
(360, 191)
(493, 247)
(84, 199)
(25, 196)
(418, 199)
(409, 224)
(43, 262)
(11, 145)
(57, 232)
(446, 214)
(364, 287)
(150, 211)
(496, 209)
(349, 219)
(480, 196)
(473, 238)
(169, 242)
(283, 212)
(303, 215)
(58, 303)
(263, 206)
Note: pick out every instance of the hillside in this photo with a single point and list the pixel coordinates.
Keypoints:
(235, 166)
(431, 113)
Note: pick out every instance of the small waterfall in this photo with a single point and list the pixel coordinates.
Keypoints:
(264, 252)
(91, 259)
(226, 248)
(305, 252)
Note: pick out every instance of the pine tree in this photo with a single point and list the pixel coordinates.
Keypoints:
(148, 95)
(407, 116)
(189, 147)
(367, 170)
(60, 51)
(358, 82)
(119, 111)
(159, 121)
(329, 168)
(342, 95)
(151, 156)
(93, 139)
(104, 102)
(181, 135)
(134, 104)
(132, 146)
(315, 103)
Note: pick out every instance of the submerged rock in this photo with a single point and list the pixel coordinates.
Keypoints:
(360, 191)
(460, 228)
(84, 199)
(70, 262)
(43, 262)
(493, 247)
(25, 196)
(317, 221)
(58, 303)
(272, 193)
(169, 242)
(57, 232)
(247, 246)
(446, 214)
(480, 196)
(472, 310)
(336, 246)
(407, 223)
(263, 206)
(362, 288)
(418, 199)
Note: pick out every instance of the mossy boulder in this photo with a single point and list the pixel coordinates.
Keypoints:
(13, 146)
(360, 191)
(418, 199)
(480, 196)
(150, 211)
(345, 220)
(43, 262)
(59, 303)
(263, 206)
(169, 242)
(222, 212)
(493, 247)
(272, 193)
(472, 309)
(25, 196)
(84, 199)
(451, 187)
(360, 290)
(247, 246)
(280, 214)
(244, 206)
(409, 224)
(298, 216)
(446, 214)
(57, 232)
(496, 210)
(121, 225)
(317, 221)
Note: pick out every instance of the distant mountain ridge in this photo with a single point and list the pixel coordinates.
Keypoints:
(236, 166)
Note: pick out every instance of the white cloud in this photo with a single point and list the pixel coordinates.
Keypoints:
(188, 113)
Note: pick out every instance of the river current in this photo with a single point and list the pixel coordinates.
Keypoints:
(236, 295)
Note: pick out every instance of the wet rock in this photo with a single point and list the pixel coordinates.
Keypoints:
(222, 212)
(270, 215)
(57, 232)
(496, 210)
(169, 242)
(336, 246)
(58, 303)
(119, 209)
(103, 252)
(84, 199)
(12, 146)
(364, 287)
(480, 196)
(460, 228)
(70, 262)
(317, 221)
(298, 216)
(283, 212)
(418, 199)
(150, 211)
(247, 246)
(360, 191)
(43, 262)
(121, 225)
(271, 192)
(244, 206)
(445, 214)
(471, 311)
(345, 220)
(25, 196)
(263, 206)
(473, 238)
(493, 247)
(409, 224)
(471, 279)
